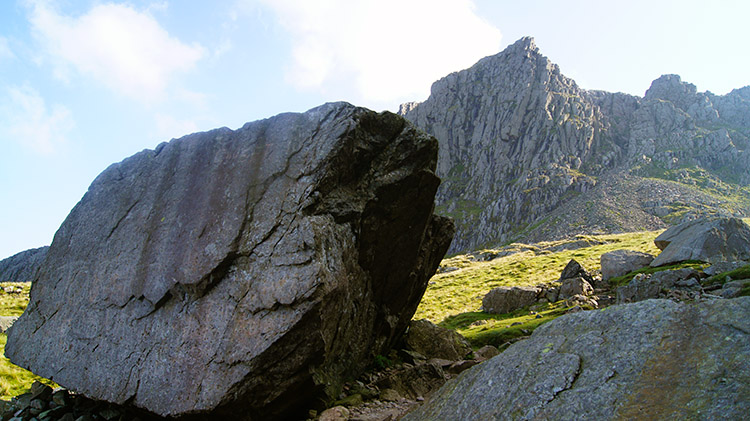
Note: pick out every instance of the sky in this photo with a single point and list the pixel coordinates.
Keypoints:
(84, 83)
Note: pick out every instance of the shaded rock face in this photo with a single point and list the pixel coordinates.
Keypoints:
(656, 359)
(621, 262)
(520, 140)
(245, 273)
(23, 266)
(709, 240)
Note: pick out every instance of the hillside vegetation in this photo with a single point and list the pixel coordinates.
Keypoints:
(14, 380)
(454, 299)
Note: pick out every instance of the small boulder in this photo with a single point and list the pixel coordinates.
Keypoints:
(580, 300)
(620, 262)
(502, 300)
(337, 413)
(433, 341)
(574, 270)
(486, 352)
(640, 288)
(574, 286)
(708, 240)
(416, 381)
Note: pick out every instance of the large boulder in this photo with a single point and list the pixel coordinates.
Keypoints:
(502, 300)
(656, 359)
(243, 274)
(621, 262)
(709, 240)
(23, 266)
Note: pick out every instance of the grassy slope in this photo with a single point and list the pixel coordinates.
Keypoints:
(461, 291)
(14, 380)
(454, 299)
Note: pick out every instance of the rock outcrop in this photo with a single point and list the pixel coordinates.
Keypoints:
(708, 240)
(656, 359)
(243, 274)
(520, 141)
(23, 266)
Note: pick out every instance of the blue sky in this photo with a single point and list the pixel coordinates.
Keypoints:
(86, 83)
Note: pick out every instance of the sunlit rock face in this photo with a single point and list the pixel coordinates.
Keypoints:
(527, 155)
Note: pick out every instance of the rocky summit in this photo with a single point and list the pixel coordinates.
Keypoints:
(527, 155)
(655, 359)
(240, 274)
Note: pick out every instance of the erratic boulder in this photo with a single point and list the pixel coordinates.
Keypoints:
(621, 262)
(709, 240)
(656, 359)
(23, 266)
(502, 300)
(240, 274)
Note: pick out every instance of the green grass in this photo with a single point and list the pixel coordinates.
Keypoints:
(690, 264)
(721, 278)
(481, 328)
(14, 380)
(454, 299)
(462, 291)
(14, 304)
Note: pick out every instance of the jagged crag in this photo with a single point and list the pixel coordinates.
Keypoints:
(527, 155)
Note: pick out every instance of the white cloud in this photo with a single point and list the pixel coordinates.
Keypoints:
(123, 48)
(27, 119)
(384, 50)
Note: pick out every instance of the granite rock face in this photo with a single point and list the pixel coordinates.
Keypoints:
(23, 266)
(242, 274)
(655, 359)
(527, 155)
(708, 240)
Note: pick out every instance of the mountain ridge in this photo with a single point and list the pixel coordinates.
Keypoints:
(519, 140)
